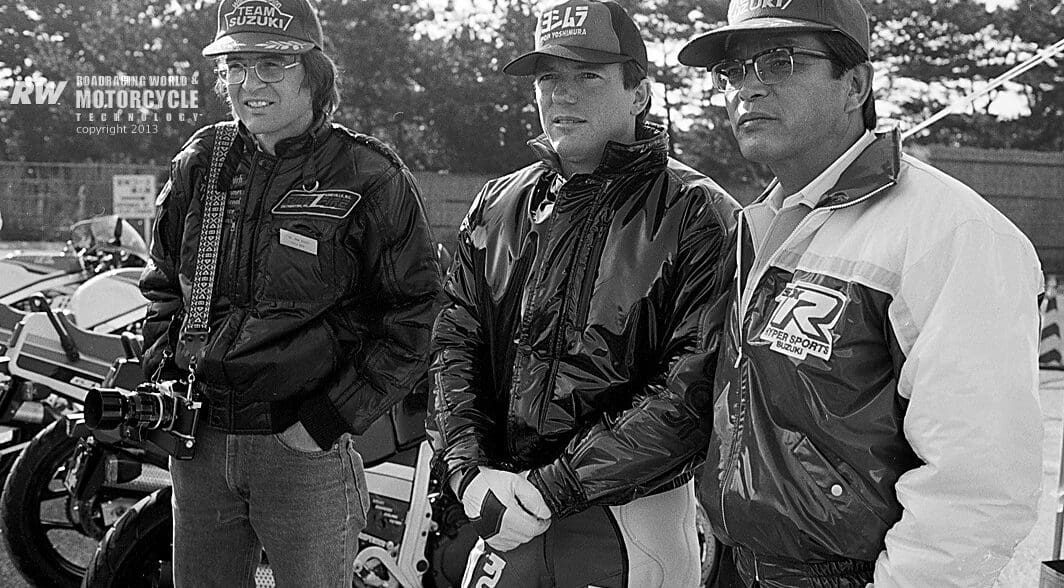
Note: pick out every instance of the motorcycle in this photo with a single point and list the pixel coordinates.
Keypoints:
(95, 246)
(89, 289)
(53, 359)
(70, 485)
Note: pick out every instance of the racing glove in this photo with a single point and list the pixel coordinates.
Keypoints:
(505, 508)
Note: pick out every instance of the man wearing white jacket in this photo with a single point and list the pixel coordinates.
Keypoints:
(876, 418)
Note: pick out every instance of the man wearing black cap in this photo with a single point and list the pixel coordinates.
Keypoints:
(322, 306)
(573, 356)
(876, 412)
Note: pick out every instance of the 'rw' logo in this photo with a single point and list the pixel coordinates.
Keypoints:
(36, 92)
(803, 319)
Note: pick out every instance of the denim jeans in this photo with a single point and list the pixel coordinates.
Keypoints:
(241, 494)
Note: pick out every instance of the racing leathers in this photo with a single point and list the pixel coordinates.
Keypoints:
(876, 413)
(580, 348)
(324, 293)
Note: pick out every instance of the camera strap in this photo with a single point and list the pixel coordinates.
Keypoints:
(197, 319)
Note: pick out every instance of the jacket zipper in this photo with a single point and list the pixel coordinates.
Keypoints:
(741, 424)
(559, 330)
(587, 284)
(526, 321)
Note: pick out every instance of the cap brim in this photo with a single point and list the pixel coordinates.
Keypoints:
(708, 49)
(525, 65)
(257, 43)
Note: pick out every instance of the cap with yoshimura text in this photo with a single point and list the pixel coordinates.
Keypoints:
(586, 31)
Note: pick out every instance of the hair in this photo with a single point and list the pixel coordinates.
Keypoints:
(632, 74)
(845, 55)
(321, 76)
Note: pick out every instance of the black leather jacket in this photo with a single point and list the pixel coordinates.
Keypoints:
(583, 347)
(323, 301)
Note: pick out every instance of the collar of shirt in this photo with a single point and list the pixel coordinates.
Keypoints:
(812, 192)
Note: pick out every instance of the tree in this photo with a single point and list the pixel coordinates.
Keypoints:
(73, 42)
(930, 54)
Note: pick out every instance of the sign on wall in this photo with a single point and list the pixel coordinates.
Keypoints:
(134, 195)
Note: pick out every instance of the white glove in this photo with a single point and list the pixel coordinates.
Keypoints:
(505, 508)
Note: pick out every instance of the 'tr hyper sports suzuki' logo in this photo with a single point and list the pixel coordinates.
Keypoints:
(803, 319)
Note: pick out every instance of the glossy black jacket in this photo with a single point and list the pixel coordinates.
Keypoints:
(583, 347)
(332, 337)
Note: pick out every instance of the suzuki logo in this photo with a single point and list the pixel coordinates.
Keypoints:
(802, 321)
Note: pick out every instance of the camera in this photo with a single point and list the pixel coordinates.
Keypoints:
(164, 414)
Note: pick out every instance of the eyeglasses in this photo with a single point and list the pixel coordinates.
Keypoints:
(269, 71)
(771, 67)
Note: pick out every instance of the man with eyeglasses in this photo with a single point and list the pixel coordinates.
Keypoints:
(876, 418)
(320, 319)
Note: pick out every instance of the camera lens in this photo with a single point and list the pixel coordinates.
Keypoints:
(104, 409)
(108, 408)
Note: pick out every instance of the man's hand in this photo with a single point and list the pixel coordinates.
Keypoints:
(505, 508)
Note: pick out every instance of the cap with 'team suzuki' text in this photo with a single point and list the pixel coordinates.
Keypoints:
(779, 16)
(586, 31)
(265, 26)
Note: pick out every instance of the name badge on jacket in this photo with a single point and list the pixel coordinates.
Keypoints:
(300, 242)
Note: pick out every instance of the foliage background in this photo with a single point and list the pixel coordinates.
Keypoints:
(424, 75)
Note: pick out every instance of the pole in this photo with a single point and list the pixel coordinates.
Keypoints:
(1060, 506)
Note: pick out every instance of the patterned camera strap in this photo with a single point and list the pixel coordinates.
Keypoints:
(197, 324)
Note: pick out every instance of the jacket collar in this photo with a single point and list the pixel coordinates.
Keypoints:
(292, 146)
(874, 169)
(650, 151)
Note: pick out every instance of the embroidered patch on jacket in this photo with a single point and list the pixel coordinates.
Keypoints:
(330, 203)
(802, 321)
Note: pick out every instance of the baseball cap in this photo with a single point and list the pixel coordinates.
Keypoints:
(771, 16)
(265, 26)
(583, 30)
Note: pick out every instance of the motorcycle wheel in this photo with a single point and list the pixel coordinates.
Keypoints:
(136, 551)
(45, 545)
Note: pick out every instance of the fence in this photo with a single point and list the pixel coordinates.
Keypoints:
(40, 200)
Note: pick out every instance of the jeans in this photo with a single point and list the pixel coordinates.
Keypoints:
(241, 494)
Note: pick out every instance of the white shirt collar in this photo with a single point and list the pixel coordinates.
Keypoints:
(812, 192)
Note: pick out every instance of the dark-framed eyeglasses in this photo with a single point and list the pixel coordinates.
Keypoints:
(771, 66)
(269, 71)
